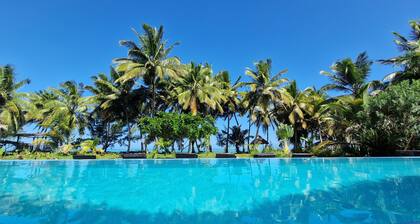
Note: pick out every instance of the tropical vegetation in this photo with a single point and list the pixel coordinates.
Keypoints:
(153, 102)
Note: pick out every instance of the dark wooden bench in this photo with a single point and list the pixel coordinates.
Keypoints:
(225, 155)
(186, 155)
(408, 152)
(265, 155)
(302, 155)
(137, 155)
(84, 157)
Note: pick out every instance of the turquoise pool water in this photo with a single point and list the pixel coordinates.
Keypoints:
(349, 190)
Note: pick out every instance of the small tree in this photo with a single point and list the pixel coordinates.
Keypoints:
(284, 133)
(167, 128)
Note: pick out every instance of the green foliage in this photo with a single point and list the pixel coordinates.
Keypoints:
(237, 137)
(149, 82)
(13, 104)
(90, 147)
(409, 61)
(170, 127)
(279, 153)
(207, 155)
(61, 112)
(156, 155)
(284, 133)
(350, 76)
(390, 120)
(28, 155)
(2, 152)
(243, 155)
(198, 91)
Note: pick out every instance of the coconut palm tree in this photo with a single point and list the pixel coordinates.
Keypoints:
(350, 76)
(118, 101)
(232, 103)
(62, 111)
(197, 91)
(237, 138)
(263, 94)
(292, 110)
(149, 61)
(12, 102)
(318, 113)
(284, 133)
(409, 62)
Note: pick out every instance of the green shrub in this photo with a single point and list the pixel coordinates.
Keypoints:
(207, 155)
(390, 120)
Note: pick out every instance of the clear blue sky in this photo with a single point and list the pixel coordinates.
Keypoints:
(53, 41)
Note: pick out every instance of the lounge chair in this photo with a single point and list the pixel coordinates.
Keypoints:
(302, 155)
(186, 155)
(84, 156)
(264, 155)
(225, 155)
(135, 155)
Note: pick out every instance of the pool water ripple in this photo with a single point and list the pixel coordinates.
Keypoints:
(347, 190)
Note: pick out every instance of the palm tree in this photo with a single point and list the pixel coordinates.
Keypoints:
(264, 93)
(150, 60)
(284, 133)
(410, 60)
(12, 102)
(291, 110)
(117, 101)
(318, 113)
(232, 103)
(237, 138)
(350, 76)
(61, 111)
(197, 91)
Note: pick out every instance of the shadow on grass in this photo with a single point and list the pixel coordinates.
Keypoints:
(393, 200)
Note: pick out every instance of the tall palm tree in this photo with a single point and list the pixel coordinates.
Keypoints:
(237, 138)
(12, 102)
(264, 92)
(150, 60)
(197, 91)
(409, 62)
(115, 99)
(294, 103)
(232, 103)
(350, 76)
(62, 111)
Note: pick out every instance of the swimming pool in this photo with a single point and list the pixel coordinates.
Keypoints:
(348, 190)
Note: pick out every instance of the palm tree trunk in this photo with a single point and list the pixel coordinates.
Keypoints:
(227, 135)
(192, 147)
(141, 140)
(320, 135)
(268, 140)
(257, 132)
(249, 129)
(236, 119)
(128, 137)
(129, 132)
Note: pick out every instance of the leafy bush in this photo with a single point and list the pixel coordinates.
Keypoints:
(277, 152)
(90, 147)
(156, 155)
(207, 155)
(171, 127)
(284, 133)
(2, 152)
(390, 120)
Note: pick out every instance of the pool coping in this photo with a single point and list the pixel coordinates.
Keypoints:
(190, 159)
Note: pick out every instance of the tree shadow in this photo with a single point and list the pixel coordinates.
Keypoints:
(394, 200)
